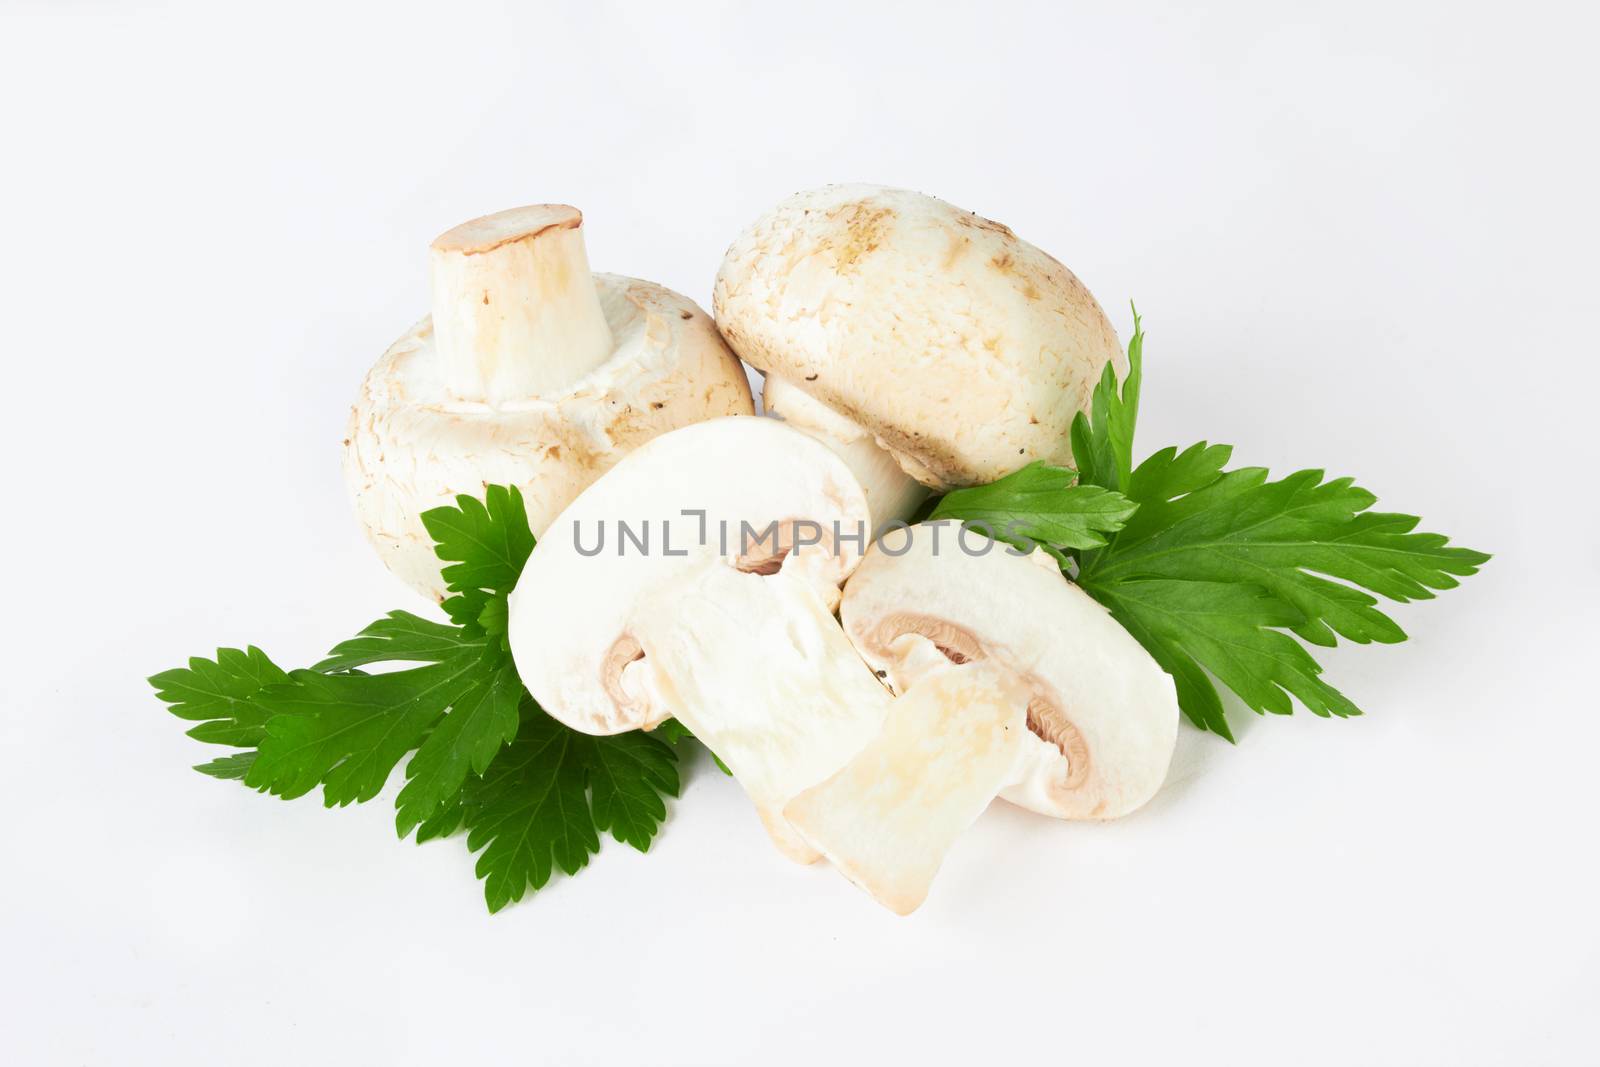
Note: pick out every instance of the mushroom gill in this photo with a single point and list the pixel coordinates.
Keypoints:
(959, 645)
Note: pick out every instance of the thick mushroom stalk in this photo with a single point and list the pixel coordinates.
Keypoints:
(892, 494)
(889, 816)
(756, 666)
(515, 311)
(697, 580)
(926, 332)
(531, 372)
(1101, 714)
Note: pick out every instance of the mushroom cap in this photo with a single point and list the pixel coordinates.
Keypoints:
(1103, 715)
(411, 445)
(964, 350)
(572, 628)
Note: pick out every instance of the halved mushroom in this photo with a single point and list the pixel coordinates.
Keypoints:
(697, 580)
(531, 371)
(888, 817)
(1101, 713)
(844, 295)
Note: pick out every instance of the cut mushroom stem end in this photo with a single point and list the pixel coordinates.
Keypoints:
(887, 819)
(764, 677)
(515, 311)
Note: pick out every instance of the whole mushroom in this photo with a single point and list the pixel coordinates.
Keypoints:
(932, 347)
(531, 371)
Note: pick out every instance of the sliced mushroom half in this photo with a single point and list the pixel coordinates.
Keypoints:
(697, 580)
(1102, 715)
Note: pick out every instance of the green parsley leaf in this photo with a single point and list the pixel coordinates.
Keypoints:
(219, 694)
(1217, 568)
(347, 732)
(1039, 504)
(531, 812)
(398, 637)
(495, 618)
(1169, 473)
(232, 767)
(1227, 629)
(443, 823)
(1102, 441)
(1209, 577)
(545, 799)
(486, 542)
(482, 721)
(628, 775)
(529, 803)
(1288, 537)
(1217, 572)
(672, 731)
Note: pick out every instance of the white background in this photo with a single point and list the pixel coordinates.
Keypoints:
(1363, 237)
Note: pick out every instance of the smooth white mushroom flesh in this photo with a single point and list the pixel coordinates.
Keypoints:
(532, 372)
(758, 668)
(723, 621)
(849, 292)
(1102, 715)
(515, 309)
(889, 816)
(891, 494)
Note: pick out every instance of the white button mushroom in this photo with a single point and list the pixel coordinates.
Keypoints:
(917, 330)
(531, 371)
(697, 580)
(1101, 713)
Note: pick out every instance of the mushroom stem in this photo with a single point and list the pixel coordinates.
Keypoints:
(515, 311)
(763, 676)
(892, 494)
(887, 818)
